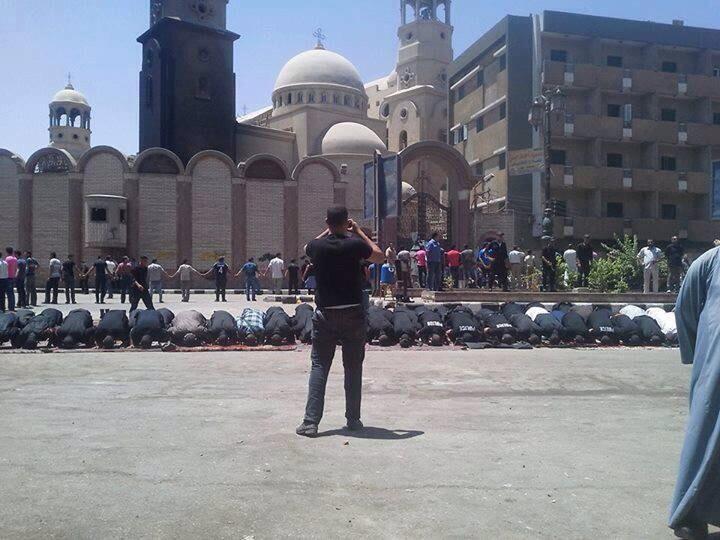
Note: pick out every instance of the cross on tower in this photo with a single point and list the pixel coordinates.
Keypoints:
(320, 38)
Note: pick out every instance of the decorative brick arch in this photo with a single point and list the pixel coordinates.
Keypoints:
(12, 156)
(319, 161)
(158, 161)
(460, 181)
(55, 157)
(211, 154)
(265, 166)
(97, 150)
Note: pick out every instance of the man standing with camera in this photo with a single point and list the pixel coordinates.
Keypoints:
(337, 255)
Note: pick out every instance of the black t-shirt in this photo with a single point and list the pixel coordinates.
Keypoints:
(139, 274)
(336, 261)
(100, 269)
(674, 254)
(293, 271)
(551, 254)
(68, 269)
(220, 271)
(584, 253)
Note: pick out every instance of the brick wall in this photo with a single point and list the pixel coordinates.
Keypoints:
(212, 218)
(103, 175)
(157, 215)
(265, 223)
(9, 203)
(51, 208)
(315, 195)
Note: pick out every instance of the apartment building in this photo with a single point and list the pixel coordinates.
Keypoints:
(637, 148)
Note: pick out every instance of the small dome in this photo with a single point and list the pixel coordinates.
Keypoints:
(351, 138)
(319, 66)
(70, 95)
(407, 191)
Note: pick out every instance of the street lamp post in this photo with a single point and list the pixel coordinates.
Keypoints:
(543, 106)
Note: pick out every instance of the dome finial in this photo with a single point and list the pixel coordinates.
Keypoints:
(320, 38)
(69, 85)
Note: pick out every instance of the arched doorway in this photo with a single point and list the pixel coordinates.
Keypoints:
(442, 180)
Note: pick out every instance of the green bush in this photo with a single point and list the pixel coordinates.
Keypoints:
(619, 270)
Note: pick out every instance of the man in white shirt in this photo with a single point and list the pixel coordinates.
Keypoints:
(185, 271)
(571, 261)
(53, 282)
(516, 259)
(111, 267)
(649, 257)
(155, 274)
(276, 269)
(3, 283)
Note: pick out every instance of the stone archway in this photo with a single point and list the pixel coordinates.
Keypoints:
(442, 179)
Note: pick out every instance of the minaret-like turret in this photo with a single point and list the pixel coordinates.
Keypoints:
(70, 121)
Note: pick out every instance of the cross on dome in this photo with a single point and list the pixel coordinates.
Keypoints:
(320, 38)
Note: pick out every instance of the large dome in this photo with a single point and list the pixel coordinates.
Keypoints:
(319, 66)
(351, 138)
(70, 95)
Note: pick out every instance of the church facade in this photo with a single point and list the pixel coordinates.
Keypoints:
(207, 183)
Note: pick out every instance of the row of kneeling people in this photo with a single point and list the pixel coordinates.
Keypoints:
(145, 328)
(512, 324)
(515, 324)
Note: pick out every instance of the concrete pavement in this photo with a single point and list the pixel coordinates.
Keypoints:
(484, 444)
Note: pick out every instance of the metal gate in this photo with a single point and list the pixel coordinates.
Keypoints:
(422, 214)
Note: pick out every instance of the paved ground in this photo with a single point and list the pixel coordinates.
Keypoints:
(484, 444)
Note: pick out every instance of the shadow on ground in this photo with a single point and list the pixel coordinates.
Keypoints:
(374, 433)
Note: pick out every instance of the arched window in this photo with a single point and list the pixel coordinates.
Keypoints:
(403, 140)
(300, 97)
(357, 102)
(323, 98)
(336, 99)
(279, 101)
(289, 101)
(346, 101)
(311, 97)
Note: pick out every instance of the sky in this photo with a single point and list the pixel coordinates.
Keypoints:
(41, 41)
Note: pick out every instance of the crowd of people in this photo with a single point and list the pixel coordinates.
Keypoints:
(136, 280)
(493, 266)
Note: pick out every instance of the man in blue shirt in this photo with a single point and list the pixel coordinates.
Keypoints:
(250, 270)
(434, 262)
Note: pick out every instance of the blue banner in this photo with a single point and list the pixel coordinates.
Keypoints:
(389, 184)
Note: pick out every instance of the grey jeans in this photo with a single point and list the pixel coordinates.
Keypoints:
(330, 326)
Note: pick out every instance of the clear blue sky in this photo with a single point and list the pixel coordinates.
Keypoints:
(42, 40)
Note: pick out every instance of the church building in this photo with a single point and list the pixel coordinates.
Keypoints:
(206, 182)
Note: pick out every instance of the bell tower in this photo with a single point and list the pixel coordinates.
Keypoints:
(425, 42)
(187, 83)
(417, 111)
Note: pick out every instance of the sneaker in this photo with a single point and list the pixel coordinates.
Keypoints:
(694, 532)
(307, 430)
(354, 425)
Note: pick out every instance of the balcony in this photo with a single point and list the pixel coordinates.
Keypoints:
(703, 86)
(588, 126)
(703, 134)
(659, 229)
(644, 81)
(639, 180)
(644, 130)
